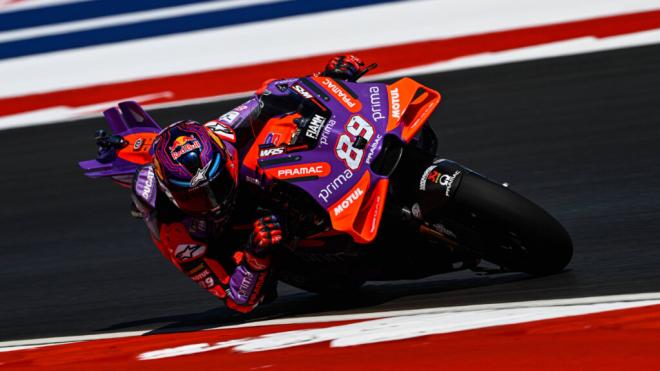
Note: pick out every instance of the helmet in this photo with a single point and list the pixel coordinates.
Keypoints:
(196, 169)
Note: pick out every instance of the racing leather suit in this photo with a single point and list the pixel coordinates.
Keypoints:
(220, 255)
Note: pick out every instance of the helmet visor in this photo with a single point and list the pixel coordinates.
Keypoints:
(210, 196)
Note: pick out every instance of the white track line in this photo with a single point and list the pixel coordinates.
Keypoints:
(619, 301)
(392, 328)
(645, 297)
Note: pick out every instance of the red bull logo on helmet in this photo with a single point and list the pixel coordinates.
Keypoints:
(182, 145)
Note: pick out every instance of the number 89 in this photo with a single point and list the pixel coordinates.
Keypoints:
(352, 156)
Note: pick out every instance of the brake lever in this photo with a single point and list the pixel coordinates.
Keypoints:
(108, 145)
(365, 70)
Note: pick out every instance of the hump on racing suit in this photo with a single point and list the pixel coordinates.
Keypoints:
(125, 121)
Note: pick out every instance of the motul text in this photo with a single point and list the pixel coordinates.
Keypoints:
(348, 201)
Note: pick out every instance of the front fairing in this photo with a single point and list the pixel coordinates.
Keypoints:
(334, 172)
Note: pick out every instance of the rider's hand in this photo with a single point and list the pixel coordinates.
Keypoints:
(345, 67)
(267, 233)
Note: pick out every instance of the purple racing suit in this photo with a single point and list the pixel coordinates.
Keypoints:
(217, 253)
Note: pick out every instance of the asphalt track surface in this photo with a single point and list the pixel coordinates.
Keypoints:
(578, 135)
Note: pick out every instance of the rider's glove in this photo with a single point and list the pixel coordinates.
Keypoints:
(345, 67)
(267, 233)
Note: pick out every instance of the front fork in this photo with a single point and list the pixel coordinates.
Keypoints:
(425, 228)
(435, 203)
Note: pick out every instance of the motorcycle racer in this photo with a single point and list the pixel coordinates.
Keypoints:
(198, 212)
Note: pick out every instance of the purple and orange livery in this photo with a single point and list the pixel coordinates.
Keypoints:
(335, 170)
(334, 163)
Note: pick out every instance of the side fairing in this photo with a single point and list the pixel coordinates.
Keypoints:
(333, 165)
(329, 153)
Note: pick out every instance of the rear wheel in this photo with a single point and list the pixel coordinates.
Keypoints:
(504, 227)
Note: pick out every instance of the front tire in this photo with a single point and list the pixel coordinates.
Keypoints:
(505, 227)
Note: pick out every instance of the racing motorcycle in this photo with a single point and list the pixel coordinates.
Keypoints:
(357, 177)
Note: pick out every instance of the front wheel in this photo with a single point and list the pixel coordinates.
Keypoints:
(495, 222)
